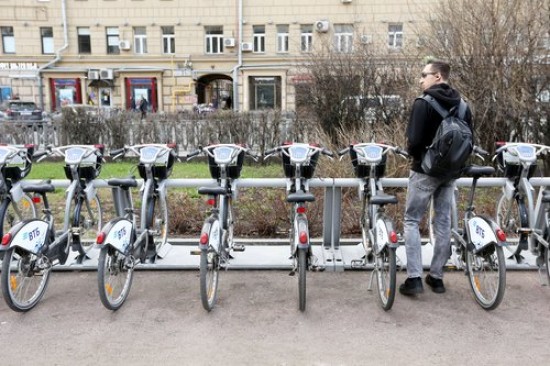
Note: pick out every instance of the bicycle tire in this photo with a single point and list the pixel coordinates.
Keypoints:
(487, 279)
(385, 268)
(157, 222)
(302, 270)
(12, 213)
(547, 262)
(23, 282)
(88, 218)
(114, 278)
(516, 220)
(209, 273)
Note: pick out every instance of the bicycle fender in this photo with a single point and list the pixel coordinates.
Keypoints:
(29, 235)
(301, 226)
(118, 234)
(481, 233)
(383, 228)
(211, 227)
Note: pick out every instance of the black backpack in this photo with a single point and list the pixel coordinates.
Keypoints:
(452, 144)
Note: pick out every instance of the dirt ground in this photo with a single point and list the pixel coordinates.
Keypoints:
(256, 322)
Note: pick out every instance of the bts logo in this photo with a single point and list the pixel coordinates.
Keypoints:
(121, 233)
(480, 231)
(33, 234)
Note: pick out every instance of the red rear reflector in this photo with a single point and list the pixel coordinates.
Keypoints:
(211, 201)
(36, 199)
(301, 209)
(6, 239)
(303, 237)
(501, 235)
(101, 238)
(393, 237)
(204, 238)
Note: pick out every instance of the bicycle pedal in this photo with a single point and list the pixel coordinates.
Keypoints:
(238, 248)
(317, 268)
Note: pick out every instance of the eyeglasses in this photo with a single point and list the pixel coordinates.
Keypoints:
(424, 74)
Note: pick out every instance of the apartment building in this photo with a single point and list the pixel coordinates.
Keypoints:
(237, 54)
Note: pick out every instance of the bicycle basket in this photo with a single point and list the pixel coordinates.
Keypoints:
(162, 168)
(363, 170)
(89, 168)
(233, 169)
(511, 167)
(306, 171)
(19, 166)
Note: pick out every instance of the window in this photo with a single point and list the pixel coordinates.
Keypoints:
(84, 42)
(46, 33)
(343, 38)
(168, 40)
(282, 38)
(306, 38)
(8, 40)
(395, 35)
(214, 39)
(140, 40)
(259, 38)
(265, 92)
(112, 40)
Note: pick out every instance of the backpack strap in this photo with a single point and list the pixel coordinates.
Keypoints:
(442, 111)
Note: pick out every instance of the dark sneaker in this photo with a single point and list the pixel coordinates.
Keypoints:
(412, 286)
(436, 284)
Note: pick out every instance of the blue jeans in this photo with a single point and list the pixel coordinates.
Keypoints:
(421, 188)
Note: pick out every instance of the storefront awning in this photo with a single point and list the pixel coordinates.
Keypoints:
(101, 83)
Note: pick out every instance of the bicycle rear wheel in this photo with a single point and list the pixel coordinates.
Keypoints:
(487, 275)
(88, 218)
(157, 221)
(115, 273)
(547, 262)
(385, 270)
(12, 212)
(24, 278)
(209, 272)
(302, 270)
(511, 217)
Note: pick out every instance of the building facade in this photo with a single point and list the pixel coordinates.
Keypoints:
(233, 54)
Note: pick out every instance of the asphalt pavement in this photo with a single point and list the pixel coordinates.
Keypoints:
(257, 322)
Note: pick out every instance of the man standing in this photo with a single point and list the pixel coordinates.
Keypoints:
(143, 107)
(423, 124)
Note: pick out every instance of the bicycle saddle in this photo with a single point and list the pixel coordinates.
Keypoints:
(300, 197)
(122, 182)
(383, 199)
(476, 170)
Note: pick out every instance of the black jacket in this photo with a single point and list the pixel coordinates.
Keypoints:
(425, 120)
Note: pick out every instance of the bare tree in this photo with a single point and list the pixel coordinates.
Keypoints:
(499, 50)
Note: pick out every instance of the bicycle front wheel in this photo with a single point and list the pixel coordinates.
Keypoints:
(209, 271)
(487, 275)
(12, 212)
(511, 217)
(88, 218)
(385, 270)
(24, 278)
(115, 273)
(302, 270)
(157, 221)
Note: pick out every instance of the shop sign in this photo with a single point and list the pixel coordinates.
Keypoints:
(18, 66)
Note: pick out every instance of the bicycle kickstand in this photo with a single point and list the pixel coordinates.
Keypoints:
(371, 281)
(543, 278)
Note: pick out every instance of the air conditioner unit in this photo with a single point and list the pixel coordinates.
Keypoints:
(246, 47)
(106, 74)
(322, 26)
(93, 75)
(229, 42)
(366, 39)
(124, 45)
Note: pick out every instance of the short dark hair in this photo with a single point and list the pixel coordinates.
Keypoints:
(441, 67)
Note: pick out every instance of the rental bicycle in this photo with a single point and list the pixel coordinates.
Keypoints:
(32, 247)
(477, 242)
(379, 237)
(123, 244)
(521, 216)
(216, 243)
(16, 205)
(299, 163)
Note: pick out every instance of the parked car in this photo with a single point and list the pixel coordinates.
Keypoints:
(19, 110)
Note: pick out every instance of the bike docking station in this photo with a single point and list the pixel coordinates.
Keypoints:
(333, 252)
